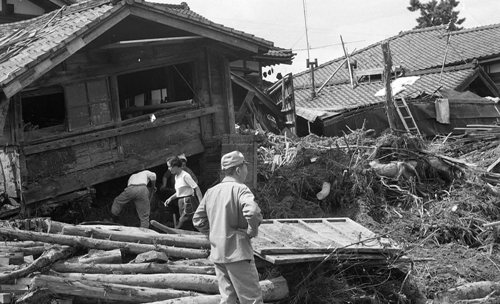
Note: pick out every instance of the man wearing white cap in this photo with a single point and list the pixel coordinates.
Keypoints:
(230, 216)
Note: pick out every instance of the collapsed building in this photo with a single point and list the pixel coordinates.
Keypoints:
(97, 90)
(443, 76)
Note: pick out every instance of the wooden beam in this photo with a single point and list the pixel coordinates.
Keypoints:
(94, 136)
(168, 105)
(91, 243)
(150, 42)
(4, 109)
(228, 94)
(199, 29)
(248, 99)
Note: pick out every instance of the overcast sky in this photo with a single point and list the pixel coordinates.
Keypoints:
(360, 22)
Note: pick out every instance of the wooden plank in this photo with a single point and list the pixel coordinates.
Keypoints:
(301, 250)
(85, 138)
(150, 42)
(316, 257)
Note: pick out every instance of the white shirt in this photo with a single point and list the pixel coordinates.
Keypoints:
(141, 178)
(184, 184)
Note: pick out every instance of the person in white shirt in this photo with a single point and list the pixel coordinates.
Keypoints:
(185, 189)
(137, 191)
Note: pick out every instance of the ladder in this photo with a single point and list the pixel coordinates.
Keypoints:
(406, 117)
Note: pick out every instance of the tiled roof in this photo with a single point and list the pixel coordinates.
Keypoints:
(341, 97)
(26, 43)
(417, 50)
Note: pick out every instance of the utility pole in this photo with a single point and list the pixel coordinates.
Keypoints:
(309, 63)
(390, 108)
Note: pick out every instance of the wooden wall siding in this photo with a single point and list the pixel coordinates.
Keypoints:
(140, 144)
(71, 159)
(71, 167)
(98, 63)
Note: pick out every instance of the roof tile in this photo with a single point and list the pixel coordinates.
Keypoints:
(341, 97)
(27, 42)
(417, 50)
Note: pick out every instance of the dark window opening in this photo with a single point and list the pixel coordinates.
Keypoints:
(370, 78)
(478, 87)
(39, 112)
(152, 90)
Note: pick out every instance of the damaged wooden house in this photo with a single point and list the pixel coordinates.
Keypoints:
(100, 89)
(448, 80)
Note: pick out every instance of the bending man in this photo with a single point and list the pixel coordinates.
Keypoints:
(136, 191)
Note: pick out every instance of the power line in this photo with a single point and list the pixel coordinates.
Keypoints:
(327, 45)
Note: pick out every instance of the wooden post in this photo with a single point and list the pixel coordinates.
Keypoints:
(312, 65)
(389, 104)
(349, 67)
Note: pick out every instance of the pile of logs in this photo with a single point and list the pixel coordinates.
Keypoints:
(62, 263)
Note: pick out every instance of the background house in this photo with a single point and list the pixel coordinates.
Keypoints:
(466, 60)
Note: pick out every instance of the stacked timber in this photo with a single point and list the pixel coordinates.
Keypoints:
(481, 132)
(101, 263)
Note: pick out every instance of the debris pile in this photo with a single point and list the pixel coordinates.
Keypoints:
(45, 259)
(418, 193)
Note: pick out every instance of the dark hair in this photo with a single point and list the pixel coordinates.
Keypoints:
(175, 162)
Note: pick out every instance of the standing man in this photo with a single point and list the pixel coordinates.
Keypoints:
(185, 190)
(230, 216)
(138, 192)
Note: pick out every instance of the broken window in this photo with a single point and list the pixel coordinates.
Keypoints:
(43, 109)
(157, 89)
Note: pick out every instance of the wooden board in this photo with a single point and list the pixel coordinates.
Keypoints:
(303, 240)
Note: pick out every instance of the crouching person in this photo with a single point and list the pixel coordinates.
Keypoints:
(230, 216)
(137, 191)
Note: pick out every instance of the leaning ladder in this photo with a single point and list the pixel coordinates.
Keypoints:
(406, 116)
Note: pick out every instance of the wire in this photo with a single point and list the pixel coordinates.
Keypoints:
(327, 45)
(305, 23)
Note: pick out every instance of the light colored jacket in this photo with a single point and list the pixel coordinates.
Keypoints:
(230, 216)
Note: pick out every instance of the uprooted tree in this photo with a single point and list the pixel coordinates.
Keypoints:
(435, 13)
